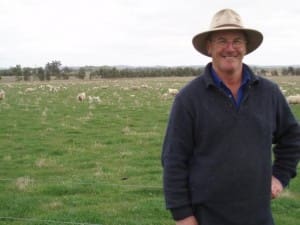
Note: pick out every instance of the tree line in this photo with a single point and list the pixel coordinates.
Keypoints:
(51, 70)
(55, 70)
(127, 72)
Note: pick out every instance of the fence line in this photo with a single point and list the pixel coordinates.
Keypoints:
(106, 183)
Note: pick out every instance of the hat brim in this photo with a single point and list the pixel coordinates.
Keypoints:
(254, 39)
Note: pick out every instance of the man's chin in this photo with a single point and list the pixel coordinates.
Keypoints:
(229, 69)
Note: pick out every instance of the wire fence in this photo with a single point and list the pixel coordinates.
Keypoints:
(103, 183)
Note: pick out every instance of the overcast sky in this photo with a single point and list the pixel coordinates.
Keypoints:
(137, 32)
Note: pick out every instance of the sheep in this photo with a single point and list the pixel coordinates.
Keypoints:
(81, 96)
(293, 99)
(2, 95)
(95, 99)
(29, 89)
(144, 86)
(172, 91)
(52, 88)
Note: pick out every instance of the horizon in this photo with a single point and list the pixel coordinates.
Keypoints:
(120, 66)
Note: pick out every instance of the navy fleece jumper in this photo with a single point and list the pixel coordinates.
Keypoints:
(217, 157)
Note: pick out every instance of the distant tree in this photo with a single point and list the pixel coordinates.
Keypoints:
(263, 72)
(297, 71)
(66, 72)
(53, 69)
(6, 72)
(81, 73)
(93, 74)
(274, 72)
(17, 70)
(27, 72)
(284, 71)
(65, 76)
(291, 70)
(102, 72)
(39, 72)
(126, 72)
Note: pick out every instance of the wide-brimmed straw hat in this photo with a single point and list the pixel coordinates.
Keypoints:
(227, 19)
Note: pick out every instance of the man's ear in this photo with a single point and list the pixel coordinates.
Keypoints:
(208, 47)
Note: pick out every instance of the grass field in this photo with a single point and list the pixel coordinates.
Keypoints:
(68, 162)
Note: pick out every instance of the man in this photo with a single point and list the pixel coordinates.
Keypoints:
(217, 156)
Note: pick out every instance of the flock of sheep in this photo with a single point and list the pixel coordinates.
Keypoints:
(292, 99)
(82, 96)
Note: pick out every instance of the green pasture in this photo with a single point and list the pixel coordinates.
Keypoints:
(63, 161)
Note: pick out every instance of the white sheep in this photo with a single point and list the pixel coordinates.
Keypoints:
(95, 99)
(2, 94)
(293, 99)
(81, 96)
(29, 89)
(173, 91)
(52, 88)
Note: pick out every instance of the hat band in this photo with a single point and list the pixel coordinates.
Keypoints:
(229, 25)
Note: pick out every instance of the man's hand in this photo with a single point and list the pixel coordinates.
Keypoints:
(276, 187)
(191, 220)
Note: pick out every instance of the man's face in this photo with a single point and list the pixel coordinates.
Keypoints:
(227, 49)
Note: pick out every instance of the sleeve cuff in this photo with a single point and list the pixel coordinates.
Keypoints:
(182, 212)
(283, 179)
